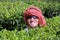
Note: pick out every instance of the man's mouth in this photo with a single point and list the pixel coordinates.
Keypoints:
(33, 23)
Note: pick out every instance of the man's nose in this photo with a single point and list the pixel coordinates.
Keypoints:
(32, 19)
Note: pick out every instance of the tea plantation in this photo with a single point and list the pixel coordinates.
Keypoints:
(12, 22)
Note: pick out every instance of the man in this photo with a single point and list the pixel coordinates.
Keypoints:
(33, 17)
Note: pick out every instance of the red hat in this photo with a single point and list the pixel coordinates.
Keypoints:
(32, 10)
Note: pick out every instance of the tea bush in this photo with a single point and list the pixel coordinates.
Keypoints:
(49, 8)
(22, 35)
(11, 14)
(11, 17)
(50, 32)
(52, 10)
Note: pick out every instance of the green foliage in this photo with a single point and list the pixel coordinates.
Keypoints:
(49, 9)
(50, 32)
(11, 14)
(11, 17)
(52, 10)
(33, 34)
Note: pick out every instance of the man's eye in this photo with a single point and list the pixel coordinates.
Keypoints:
(29, 17)
(35, 17)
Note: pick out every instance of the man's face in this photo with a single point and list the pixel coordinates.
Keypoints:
(32, 21)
